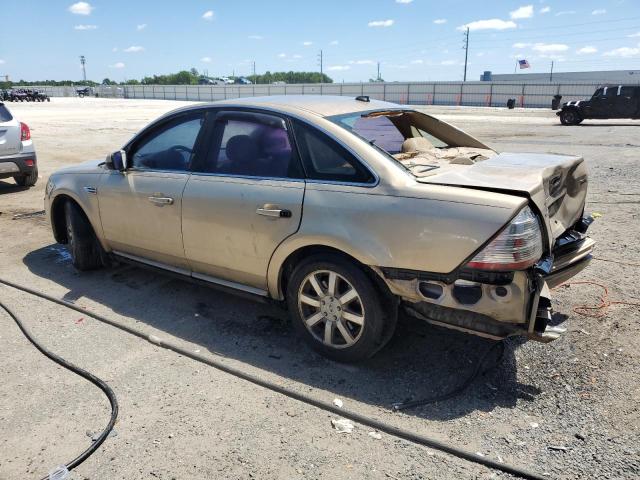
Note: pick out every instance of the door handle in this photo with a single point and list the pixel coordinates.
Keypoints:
(161, 200)
(274, 212)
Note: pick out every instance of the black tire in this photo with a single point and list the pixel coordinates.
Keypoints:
(81, 95)
(570, 117)
(86, 252)
(378, 310)
(27, 180)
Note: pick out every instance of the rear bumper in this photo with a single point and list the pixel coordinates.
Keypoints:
(499, 306)
(17, 165)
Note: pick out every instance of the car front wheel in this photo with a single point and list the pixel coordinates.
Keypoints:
(570, 117)
(86, 253)
(338, 310)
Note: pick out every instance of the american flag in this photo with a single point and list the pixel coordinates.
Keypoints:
(523, 64)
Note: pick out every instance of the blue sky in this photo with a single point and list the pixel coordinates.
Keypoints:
(413, 39)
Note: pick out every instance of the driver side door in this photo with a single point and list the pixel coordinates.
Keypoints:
(141, 208)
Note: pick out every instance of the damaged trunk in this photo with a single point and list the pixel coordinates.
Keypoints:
(556, 184)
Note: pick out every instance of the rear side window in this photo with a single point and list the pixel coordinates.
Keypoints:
(324, 159)
(5, 115)
(627, 91)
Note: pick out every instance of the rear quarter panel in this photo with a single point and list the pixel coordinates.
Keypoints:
(426, 228)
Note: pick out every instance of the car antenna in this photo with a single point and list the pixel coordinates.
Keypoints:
(363, 98)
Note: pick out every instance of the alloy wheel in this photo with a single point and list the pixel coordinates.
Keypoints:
(331, 309)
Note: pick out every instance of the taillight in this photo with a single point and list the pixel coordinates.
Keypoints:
(517, 247)
(25, 133)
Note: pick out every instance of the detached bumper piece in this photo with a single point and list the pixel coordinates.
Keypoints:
(571, 254)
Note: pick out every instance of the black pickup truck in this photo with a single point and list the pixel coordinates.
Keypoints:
(613, 101)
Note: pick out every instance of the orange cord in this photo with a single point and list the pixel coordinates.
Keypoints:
(597, 311)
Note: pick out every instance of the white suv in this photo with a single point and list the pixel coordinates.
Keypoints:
(17, 153)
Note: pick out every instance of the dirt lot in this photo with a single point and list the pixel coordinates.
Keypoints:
(568, 409)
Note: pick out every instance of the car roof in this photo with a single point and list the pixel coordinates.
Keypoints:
(322, 105)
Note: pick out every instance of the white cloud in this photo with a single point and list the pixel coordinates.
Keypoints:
(282, 55)
(440, 21)
(545, 9)
(361, 62)
(522, 12)
(208, 15)
(142, 26)
(296, 56)
(417, 62)
(634, 35)
(255, 37)
(339, 68)
(521, 45)
(206, 59)
(81, 8)
(625, 52)
(448, 62)
(381, 23)
(134, 49)
(565, 12)
(85, 27)
(117, 65)
(405, 2)
(491, 24)
(334, 42)
(550, 47)
(307, 43)
(587, 50)
(1, 61)
(599, 11)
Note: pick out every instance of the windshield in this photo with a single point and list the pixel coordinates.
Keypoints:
(419, 142)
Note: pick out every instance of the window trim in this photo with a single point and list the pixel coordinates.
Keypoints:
(331, 136)
(213, 114)
(160, 124)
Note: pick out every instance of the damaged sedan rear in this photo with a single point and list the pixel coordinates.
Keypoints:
(344, 209)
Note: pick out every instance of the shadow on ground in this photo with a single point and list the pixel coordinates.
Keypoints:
(9, 186)
(420, 361)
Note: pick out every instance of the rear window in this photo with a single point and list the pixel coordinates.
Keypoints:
(5, 115)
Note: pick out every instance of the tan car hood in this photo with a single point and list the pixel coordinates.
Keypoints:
(90, 166)
(557, 184)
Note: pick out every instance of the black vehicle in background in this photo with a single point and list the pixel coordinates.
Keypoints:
(613, 101)
(84, 92)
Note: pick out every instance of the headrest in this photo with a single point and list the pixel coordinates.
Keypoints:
(416, 144)
(242, 149)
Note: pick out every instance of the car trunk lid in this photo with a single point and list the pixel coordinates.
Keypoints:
(557, 184)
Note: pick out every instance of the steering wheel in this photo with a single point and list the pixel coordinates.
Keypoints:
(184, 152)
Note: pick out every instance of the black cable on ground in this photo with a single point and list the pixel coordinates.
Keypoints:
(463, 385)
(84, 374)
(326, 406)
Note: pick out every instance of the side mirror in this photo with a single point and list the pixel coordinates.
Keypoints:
(117, 161)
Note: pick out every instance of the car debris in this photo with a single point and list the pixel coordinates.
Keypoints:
(342, 425)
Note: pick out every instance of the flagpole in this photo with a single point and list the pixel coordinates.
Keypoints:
(515, 68)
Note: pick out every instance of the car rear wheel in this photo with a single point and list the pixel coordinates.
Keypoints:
(86, 253)
(27, 180)
(570, 117)
(337, 309)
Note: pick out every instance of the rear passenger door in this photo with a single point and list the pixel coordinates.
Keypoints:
(626, 102)
(243, 200)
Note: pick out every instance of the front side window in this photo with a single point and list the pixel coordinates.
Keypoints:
(171, 147)
(252, 145)
(325, 159)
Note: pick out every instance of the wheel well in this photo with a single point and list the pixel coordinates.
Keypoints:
(58, 218)
(296, 257)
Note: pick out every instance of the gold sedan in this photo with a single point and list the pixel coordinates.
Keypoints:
(347, 209)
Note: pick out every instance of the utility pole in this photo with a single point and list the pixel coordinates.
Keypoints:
(551, 74)
(378, 77)
(320, 60)
(83, 60)
(254, 72)
(466, 53)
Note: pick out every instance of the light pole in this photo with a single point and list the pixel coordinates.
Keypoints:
(83, 60)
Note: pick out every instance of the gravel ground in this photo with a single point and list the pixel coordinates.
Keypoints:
(568, 409)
